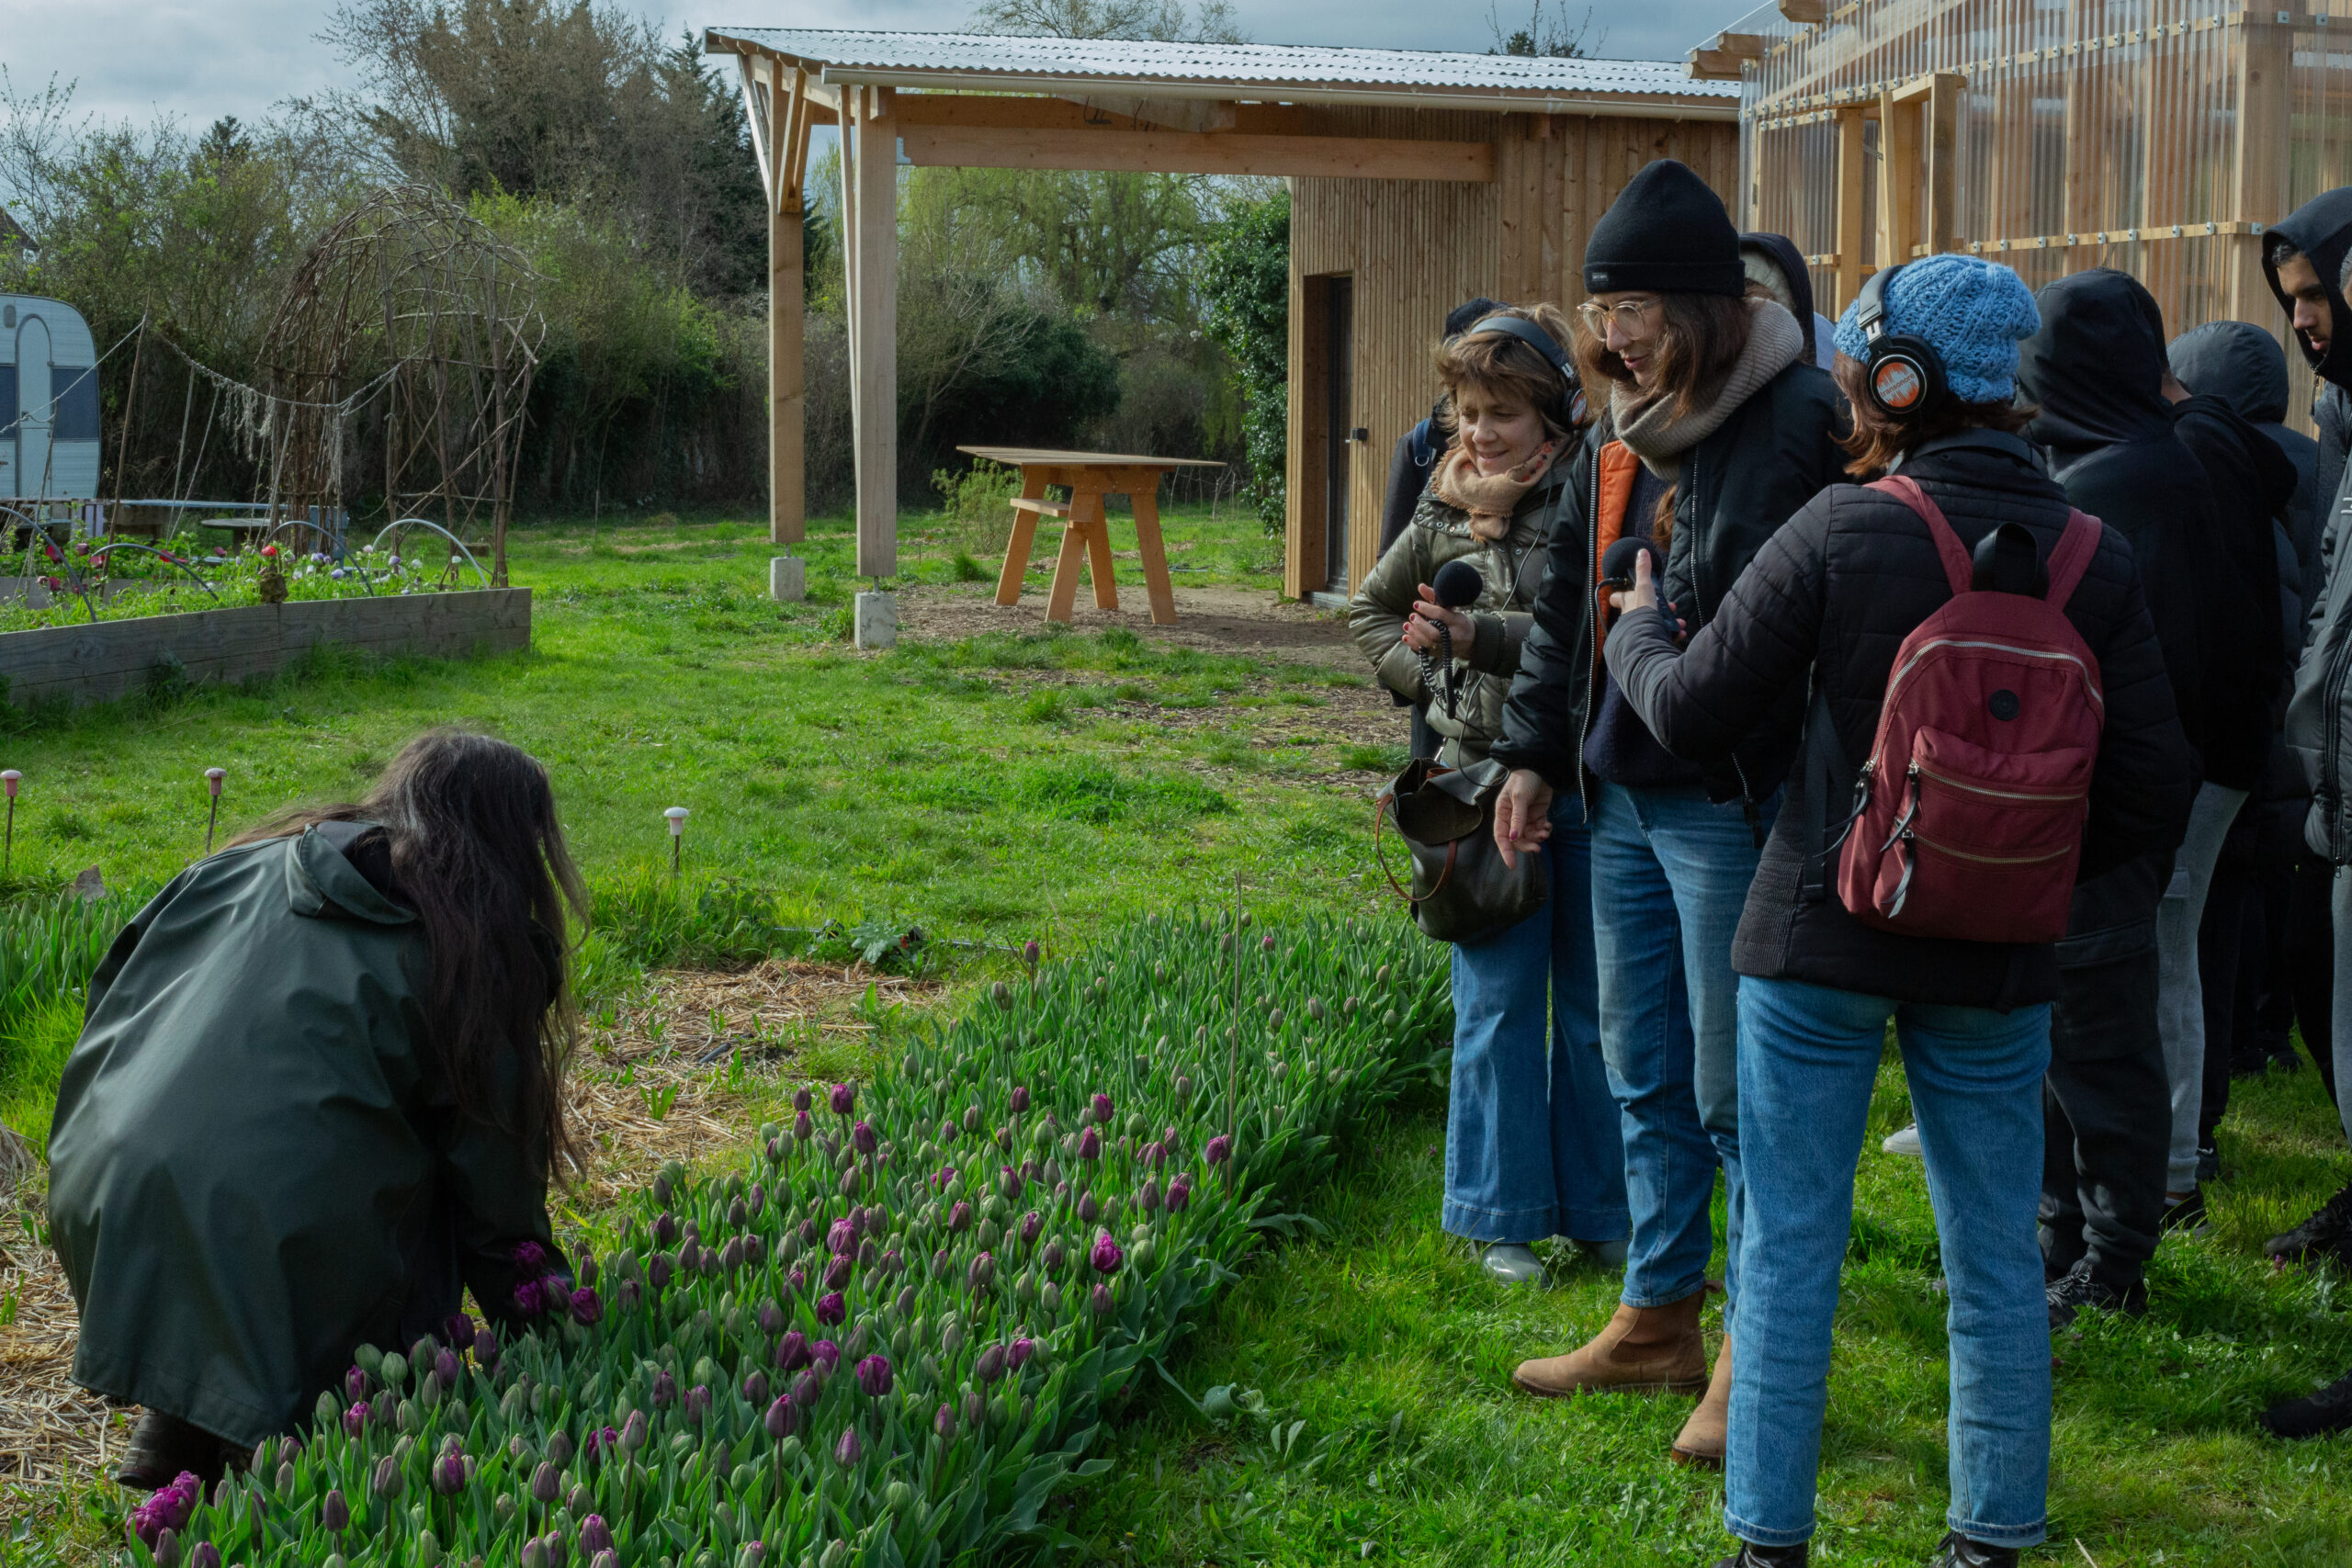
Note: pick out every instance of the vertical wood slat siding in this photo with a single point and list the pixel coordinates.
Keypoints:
(1418, 248)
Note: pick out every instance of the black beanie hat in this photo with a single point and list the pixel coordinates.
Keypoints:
(1666, 233)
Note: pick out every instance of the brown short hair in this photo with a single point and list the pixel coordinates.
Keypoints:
(1508, 367)
(1703, 337)
(1877, 439)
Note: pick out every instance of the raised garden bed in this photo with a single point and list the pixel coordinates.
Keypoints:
(99, 661)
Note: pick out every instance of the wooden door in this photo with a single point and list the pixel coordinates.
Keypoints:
(1339, 424)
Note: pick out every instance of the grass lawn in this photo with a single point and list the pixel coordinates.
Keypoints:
(993, 785)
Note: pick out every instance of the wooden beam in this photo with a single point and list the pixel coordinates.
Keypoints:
(1000, 113)
(1941, 127)
(1806, 13)
(875, 367)
(1853, 169)
(2266, 104)
(788, 388)
(1714, 65)
(1748, 46)
(1198, 153)
(1898, 180)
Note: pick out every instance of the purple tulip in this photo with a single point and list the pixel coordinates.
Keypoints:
(485, 1347)
(547, 1484)
(529, 1300)
(447, 1367)
(1101, 1107)
(630, 1295)
(1031, 1224)
(982, 1274)
(697, 1404)
(792, 1352)
(802, 1099)
(633, 1431)
(1056, 1256)
(389, 1482)
(1149, 1196)
(1108, 1255)
(848, 1451)
(531, 1259)
(805, 1390)
(1089, 1144)
(1030, 951)
(755, 1390)
(1088, 1209)
(825, 1355)
(990, 1365)
(852, 1180)
(796, 1281)
(665, 1389)
(782, 1419)
(600, 1441)
(166, 1510)
(730, 1257)
(586, 1310)
(586, 1273)
(759, 1197)
(959, 1218)
(862, 1135)
(944, 1424)
(450, 1475)
(837, 1273)
(831, 1309)
(769, 1316)
(844, 1099)
(1266, 942)
(1020, 1099)
(893, 1261)
(595, 1536)
(974, 1408)
(354, 1420)
(841, 1237)
(939, 1262)
(206, 1556)
(1220, 1149)
(1154, 1155)
(1019, 1352)
(355, 1385)
(874, 1376)
(1102, 1302)
(802, 1128)
(335, 1513)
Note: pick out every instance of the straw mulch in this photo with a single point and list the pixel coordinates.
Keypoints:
(671, 1047)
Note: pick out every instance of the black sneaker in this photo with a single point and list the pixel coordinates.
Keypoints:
(2084, 1286)
(2327, 1233)
(2209, 1163)
(2249, 1061)
(1956, 1551)
(2185, 1217)
(2315, 1414)
(1751, 1555)
(2283, 1054)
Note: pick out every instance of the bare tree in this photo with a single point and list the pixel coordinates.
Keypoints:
(1546, 34)
(1166, 21)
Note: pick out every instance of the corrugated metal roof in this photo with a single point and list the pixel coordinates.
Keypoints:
(1244, 66)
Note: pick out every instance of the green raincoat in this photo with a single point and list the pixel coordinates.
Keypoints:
(251, 1172)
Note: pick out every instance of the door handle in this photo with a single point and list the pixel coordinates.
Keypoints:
(1361, 432)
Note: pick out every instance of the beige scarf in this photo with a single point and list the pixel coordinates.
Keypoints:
(1489, 498)
(1648, 424)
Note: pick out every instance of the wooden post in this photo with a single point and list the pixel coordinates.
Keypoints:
(874, 304)
(788, 391)
(1941, 123)
(2266, 61)
(1898, 179)
(1853, 168)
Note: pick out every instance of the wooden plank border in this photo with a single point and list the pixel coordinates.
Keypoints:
(102, 660)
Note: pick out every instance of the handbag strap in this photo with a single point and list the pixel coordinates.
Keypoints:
(1452, 848)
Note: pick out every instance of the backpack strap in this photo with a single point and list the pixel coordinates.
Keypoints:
(2073, 557)
(1960, 568)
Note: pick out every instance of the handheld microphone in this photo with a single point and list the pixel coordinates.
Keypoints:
(1457, 583)
(1617, 562)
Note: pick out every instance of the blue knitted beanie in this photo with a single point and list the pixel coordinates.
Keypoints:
(1971, 312)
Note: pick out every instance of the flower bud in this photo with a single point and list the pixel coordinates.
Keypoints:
(862, 1137)
(1220, 1149)
(959, 1218)
(990, 1365)
(1020, 1099)
(831, 1309)
(586, 1310)
(633, 1431)
(849, 1450)
(547, 1487)
(1101, 1106)
(534, 1554)
(595, 1536)
(806, 1390)
(781, 1419)
(1108, 1255)
(844, 1099)
(1103, 1303)
(335, 1513)
(944, 1424)
(801, 1101)
(395, 1369)
(803, 1130)
(354, 1420)
(974, 1408)
(355, 1385)
(1089, 1144)
(755, 1390)
(697, 1404)
(874, 1376)
(389, 1482)
(1089, 1209)
(837, 1273)
(1149, 1196)
(447, 1367)
(450, 1475)
(1017, 1354)
(206, 1556)
(1179, 1194)
(560, 1450)
(792, 1351)
(665, 1388)
(982, 1273)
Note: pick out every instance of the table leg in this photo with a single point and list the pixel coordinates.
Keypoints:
(1024, 536)
(1098, 546)
(1155, 557)
(1068, 565)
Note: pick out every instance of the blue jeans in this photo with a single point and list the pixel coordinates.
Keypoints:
(1808, 1058)
(1670, 871)
(1531, 1148)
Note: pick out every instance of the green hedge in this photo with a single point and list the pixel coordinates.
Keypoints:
(993, 1241)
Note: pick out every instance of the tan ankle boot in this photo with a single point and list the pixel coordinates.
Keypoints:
(1643, 1350)
(1702, 1439)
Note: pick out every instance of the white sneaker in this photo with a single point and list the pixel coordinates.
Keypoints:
(1511, 1262)
(1904, 1141)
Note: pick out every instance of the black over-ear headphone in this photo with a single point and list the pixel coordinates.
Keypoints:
(1535, 337)
(1904, 374)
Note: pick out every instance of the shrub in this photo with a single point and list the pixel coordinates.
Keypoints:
(1246, 274)
(890, 1336)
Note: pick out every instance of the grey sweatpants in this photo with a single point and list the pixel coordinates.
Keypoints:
(2180, 996)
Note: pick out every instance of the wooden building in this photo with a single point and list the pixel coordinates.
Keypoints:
(1418, 180)
(2161, 137)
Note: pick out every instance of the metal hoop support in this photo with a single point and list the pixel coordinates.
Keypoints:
(456, 544)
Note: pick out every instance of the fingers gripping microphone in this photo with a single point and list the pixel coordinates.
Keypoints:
(1617, 562)
(1458, 584)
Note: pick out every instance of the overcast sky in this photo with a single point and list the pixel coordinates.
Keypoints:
(200, 59)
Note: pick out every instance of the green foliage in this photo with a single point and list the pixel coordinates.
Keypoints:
(1245, 273)
(992, 1314)
(980, 494)
(50, 947)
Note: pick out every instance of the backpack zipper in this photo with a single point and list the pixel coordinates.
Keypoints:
(1924, 771)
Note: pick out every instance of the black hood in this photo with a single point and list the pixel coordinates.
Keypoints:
(2236, 361)
(2096, 366)
(1788, 262)
(2321, 230)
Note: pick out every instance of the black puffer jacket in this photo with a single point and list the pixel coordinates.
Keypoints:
(1773, 453)
(1833, 596)
(2253, 485)
(2244, 365)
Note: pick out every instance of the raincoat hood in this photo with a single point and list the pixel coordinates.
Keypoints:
(1788, 262)
(2096, 366)
(2321, 230)
(2236, 361)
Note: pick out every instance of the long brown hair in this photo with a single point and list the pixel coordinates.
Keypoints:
(1702, 340)
(1506, 368)
(478, 854)
(1877, 439)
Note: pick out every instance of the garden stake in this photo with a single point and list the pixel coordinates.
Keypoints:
(10, 778)
(677, 816)
(212, 777)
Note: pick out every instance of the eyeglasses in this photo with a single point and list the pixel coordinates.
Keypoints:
(1628, 315)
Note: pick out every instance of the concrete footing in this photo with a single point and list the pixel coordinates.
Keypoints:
(877, 620)
(788, 579)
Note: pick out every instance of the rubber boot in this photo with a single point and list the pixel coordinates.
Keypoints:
(1700, 1441)
(1643, 1350)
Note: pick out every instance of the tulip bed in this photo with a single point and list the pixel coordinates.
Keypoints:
(892, 1336)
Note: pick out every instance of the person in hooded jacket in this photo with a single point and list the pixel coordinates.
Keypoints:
(1830, 599)
(1717, 428)
(2096, 371)
(1531, 1148)
(317, 1099)
(1774, 264)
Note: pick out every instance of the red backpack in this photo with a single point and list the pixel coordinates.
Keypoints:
(1969, 814)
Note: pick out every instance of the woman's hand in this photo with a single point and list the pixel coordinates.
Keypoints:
(1523, 814)
(1420, 626)
(1642, 596)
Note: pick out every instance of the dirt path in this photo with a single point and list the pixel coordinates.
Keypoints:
(1214, 620)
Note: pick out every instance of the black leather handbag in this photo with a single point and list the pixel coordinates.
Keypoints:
(1461, 889)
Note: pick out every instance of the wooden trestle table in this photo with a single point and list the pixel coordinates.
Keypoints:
(1086, 535)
